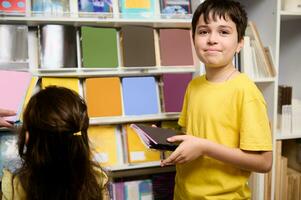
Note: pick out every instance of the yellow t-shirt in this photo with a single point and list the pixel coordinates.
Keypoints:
(13, 190)
(232, 113)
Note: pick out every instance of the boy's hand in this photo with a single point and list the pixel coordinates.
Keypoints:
(189, 149)
(5, 113)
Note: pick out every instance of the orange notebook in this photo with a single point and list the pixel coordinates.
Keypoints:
(103, 96)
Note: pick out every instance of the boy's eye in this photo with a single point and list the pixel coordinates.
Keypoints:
(202, 32)
(224, 32)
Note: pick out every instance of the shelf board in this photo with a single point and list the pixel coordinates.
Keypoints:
(14, 65)
(289, 15)
(281, 136)
(96, 21)
(128, 170)
(131, 119)
(264, 80)
(120, 71)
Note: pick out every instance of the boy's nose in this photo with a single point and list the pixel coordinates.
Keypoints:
(212, 39)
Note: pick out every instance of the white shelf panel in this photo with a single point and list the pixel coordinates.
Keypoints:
(131, 119)
(120, 71)
(138, 169)
(14, 65)
(289, 15)
(280, 136)
(265, 80)
(97, 21)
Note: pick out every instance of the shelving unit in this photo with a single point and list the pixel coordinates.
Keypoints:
(262, 12)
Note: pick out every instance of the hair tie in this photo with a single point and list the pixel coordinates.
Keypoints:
(77, 133)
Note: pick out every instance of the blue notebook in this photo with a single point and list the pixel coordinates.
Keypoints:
(95, 6)
(140, 96)
(9, 157)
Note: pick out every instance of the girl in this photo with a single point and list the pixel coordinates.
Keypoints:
(54, 148)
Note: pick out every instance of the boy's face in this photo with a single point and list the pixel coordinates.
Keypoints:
(216, 42)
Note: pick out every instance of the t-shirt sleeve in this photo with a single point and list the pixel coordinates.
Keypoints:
(255, 132)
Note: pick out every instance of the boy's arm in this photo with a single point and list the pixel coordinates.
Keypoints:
(192, 147)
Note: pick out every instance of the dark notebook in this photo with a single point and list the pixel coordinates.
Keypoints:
(154, 137)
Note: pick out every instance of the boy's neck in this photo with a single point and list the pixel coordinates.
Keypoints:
(220, 74)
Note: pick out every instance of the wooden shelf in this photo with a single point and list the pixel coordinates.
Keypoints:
(289, 15)
(131, 119)
(101, 21)
(120, 71)
(280, 136)
(138, 169)
(265, 80)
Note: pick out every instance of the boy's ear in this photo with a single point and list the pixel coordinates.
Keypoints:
(240, 45)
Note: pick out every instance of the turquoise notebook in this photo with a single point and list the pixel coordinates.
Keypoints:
(137, 8)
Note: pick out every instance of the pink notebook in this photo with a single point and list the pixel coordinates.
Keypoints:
(13, 87)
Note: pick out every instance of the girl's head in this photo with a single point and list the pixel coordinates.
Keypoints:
(226, 9)
(54, 147)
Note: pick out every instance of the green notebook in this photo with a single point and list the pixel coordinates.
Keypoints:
(99, 47)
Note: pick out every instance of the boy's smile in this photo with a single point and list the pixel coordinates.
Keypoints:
(216, 42)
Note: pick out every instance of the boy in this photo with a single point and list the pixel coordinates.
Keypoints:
(224, 114)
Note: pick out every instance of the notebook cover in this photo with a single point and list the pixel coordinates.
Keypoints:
(175, 53)
(58, 46)
(13, 6)
(140, 96)
(138, 46)
(175, 7)
(13, 86)
(137, 151)
(95, 6)
(155, 137)
(103, 140)
(137, 8)
(174, 88)
(99, 47)
(103, 96)
(71, 83)
(50, 6)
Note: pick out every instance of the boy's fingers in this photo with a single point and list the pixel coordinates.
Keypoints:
(4, 112)
(177, 138)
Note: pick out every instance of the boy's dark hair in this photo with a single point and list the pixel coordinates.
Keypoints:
(57, 162)
(221, 8)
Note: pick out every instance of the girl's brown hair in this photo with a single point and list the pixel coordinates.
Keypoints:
(57, 162)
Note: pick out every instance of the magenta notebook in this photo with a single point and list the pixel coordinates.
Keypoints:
(13, 87)
(175, 47)
(174, 87)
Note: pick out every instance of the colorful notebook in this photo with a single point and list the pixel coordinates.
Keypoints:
(95, 6)
(106, 145)
(13, 6)
(13, 86)
(174, 88)
(138, 190)
(99, 47)
(103, 96)
(50, 6)
(138, 46)
(137, 151)
(137, 8)
(175, 53)
(71, 83)
(140, 96)
(58, 46)
(171, 7)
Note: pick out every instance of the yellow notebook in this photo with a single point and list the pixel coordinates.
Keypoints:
(103, 96)
(71, 83)
(105, 142)
(137, 151)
